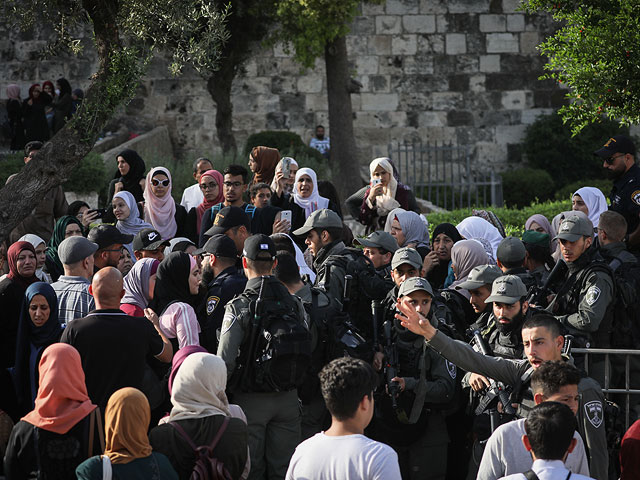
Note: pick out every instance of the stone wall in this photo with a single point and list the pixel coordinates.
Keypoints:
(460, 71)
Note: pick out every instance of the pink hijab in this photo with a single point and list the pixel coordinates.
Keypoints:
(160, 212)
(204, 206)
(13, 92)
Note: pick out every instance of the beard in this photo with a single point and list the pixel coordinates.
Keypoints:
(513, 323)
(207, 276)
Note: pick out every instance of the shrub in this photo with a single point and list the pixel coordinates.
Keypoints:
(522, 186)
(548, 145)
(603, 184)
(282, 140)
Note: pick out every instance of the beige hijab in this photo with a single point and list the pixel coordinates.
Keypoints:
(387, 201)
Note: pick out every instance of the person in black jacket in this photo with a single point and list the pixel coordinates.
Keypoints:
(63, 106)
(34, 115)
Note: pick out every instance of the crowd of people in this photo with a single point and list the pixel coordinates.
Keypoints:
(244, 332)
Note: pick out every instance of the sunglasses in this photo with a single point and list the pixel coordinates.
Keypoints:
(164, 183)
(611, 160)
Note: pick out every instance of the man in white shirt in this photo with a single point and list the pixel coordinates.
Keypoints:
(550, 429)
(505, 454)
(192, 196)
(343, 451)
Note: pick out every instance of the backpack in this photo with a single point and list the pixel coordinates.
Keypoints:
(249, 209)
(625, 327)
(456, 311)
(206, 467)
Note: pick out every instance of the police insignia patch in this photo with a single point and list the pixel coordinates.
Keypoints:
(212, 303)
(594, 412)
(227, 322)
(635, 196)
(592, 295)
(451, 368)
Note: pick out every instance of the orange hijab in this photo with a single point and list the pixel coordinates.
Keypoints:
(126, 422)
(62, 399)
(267, 159)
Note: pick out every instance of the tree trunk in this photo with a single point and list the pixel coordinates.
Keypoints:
(219, 86)
(344, 163)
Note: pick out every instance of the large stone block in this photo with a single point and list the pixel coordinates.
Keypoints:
(366, 64)
(379, 101)
(379, 83)
(429, 44)
(493, 118)
(388, 24)
(379, 45)
(467, 63)
(363, 25)
(356, 45)
(423, 64)
(310, 84)
(370, 9)
(442, 24)
(515, 23)
(493, 23)
(447, 100)
(444, 64)
(507, 81)
(456, 118)
(476, 43)
(433, 6)
(419, 23)
(476, 83)
(255, 85)
(468, 6)
(529, 42)
(462, 22)
(432, 119)
(502, 43)
(531, 115)
(456, 43)
(391, 64)
(510, 133)
(490, 153)
(510, 6)
(281, 85)
(402, 7)
(517, 99)
(458, 83)
(317, 102)
(403, 45)
(489, 63)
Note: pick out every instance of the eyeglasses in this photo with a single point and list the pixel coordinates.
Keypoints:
(208, 186)
(164, 183)
(611, 160)
(232, 184)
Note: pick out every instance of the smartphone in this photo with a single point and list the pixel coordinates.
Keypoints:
(101, 212)
(376, 181)
(286, 215)
(286, 167)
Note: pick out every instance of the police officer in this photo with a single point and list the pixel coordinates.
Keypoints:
(478, 284)
(379, 247)
(538, 255)
(510, 258)
(273, 416)
(416, 429)
(619, 158)
(223, 282)
(542, 342)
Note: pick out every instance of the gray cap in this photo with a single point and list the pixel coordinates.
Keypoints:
(379, 239)
(323, 218)
(507, 289)
(511, 250)
(479, 276)
(414, 284)
(574, 227)
(406, 255)
(74, 249)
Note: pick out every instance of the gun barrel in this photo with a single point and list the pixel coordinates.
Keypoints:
(482, 344)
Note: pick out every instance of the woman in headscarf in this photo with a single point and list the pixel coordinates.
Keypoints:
(38, 328)
(138, 287)
(40, 247)
(590, 201)
(200, 410)
(383, 195)
(34, 114)
(285, 184)
(479, 229)
(262, 162)
(465, 255)
(63, 105)
(126, 211)
(211, 185)
(174, 294)
(438, 260)
(65, 227)
(49, 89)
(541, 224)
(160, 209)
(129, 177)
(180, 244)
(284, 242)
(409, 230)
(54, 438)
(128, 454)
(21, 257)
(14, 112)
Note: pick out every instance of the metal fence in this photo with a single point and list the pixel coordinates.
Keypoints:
(444, 174)
(627, 391)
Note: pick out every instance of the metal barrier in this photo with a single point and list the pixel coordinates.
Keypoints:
(606, 388)
(444, 174)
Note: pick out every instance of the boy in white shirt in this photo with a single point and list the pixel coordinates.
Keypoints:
(343, 451)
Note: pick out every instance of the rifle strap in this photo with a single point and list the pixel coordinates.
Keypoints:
(421, 388)
(523, 381)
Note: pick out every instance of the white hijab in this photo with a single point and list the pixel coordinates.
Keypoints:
(274, 182)
(477, 228)
(35, 240)
(595, 201)
(314, 201)
(302, 264)
(387, 201)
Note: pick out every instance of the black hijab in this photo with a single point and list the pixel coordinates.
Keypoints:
(131, 180)
(449, 230)
(172, 282)
(438, 274)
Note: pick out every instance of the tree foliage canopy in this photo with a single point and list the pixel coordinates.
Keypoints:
(596, 53)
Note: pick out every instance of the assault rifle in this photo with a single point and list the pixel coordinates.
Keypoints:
(256, 325)
(538, 295)
(391, 366)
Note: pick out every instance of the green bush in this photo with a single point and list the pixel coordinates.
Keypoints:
(282, 140)
(517, 186)
(549, 146)
(9, 164)
(513, 219)
(603, 184)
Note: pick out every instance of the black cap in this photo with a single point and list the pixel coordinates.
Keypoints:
(219, 245)
(148, 239)
(617, 144)
(227, 218)
(105, 235)
(259, 247)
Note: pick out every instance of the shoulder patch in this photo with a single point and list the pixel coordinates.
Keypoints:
(592, 295)
(212, 303)
(635, 197)
(594, 412)
(227, 322)
(451, 368)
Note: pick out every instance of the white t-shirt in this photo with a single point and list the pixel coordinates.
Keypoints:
(323, 457)
(548, 470)
(191, 197)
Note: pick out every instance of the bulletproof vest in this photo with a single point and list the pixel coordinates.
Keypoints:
(527, 278)
(409, 347)
(506, 346)
(523, 395)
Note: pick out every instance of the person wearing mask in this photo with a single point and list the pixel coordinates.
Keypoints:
(477, 228)
(72, 288)
(40, 247)
(200, 412)
(148, 243)
(540, 224)
(128, 453)
(618, 156)
(591, 202)
(62, 105)
(510, 257)
(55, 437)
(210, 184)
(409, 230)
(110, 243)
(192, 196)
(38, 328)
(127, 213)
(34, 115)
(139, 285)
(14, 113)
(66, 227)
(262, 163)
(174, 294)
(437, 262)
(129, 177)
(160, 209)
(384, 194)
(538, 260)
(52, 206)
(107, 328)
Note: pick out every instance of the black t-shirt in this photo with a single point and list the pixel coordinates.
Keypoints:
(114, 348)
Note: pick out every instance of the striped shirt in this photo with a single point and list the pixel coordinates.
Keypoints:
(179, 321)
(74, 299)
